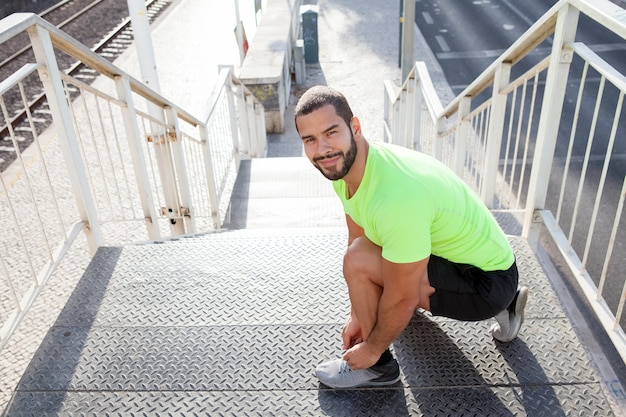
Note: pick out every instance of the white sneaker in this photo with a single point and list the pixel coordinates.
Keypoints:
(337, 374)
(508, 325)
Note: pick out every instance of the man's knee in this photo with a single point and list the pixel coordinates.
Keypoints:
(362, 258)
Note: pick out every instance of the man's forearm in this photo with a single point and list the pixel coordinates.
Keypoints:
(393, 317)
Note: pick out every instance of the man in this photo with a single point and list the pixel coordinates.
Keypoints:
(418, 237)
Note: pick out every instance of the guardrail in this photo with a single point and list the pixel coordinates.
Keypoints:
(501, 135)
(122, 163)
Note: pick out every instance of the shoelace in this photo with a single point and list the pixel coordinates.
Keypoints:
(344, 367)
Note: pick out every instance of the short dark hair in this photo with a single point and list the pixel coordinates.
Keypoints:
(319, 96)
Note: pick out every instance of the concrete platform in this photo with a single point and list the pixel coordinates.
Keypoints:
(234, 322)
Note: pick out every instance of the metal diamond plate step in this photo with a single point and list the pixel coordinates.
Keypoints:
(233, 323)
(291, 193)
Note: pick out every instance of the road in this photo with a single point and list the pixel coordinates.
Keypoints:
(466, 37)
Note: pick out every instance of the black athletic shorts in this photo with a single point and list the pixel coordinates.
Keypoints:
(465, 292)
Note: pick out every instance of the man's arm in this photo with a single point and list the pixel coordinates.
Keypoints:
(354, 230)
(400, 298)
(351, 332)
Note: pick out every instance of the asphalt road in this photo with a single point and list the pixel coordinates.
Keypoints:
(467, 36)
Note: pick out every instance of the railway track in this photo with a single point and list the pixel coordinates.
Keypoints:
(102, 25)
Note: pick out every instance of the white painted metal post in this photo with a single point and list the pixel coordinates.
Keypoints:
(403, 116)
(174, 139)
(418, 104)
(239, 32)
(408, 33)
(134, 139)
(556, 82)
(261, 134)
(68, 141)
(462, 136)
(143, 45)
(149, 75)
(232, 112)
(410, 119)
(247, 144)
(494, 135)
(210, 176)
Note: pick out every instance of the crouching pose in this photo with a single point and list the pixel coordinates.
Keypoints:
(419, 237)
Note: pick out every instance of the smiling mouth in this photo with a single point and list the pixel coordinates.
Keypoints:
(327, 159)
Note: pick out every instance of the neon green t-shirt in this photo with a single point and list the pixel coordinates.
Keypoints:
(413, 206)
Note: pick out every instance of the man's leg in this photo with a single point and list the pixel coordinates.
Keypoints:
(467, 293)
(362, 270)
(509, 321)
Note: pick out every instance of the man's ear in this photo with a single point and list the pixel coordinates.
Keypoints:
(355, 125)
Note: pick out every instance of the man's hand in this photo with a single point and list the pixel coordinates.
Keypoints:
(361, 356)
(351, 333)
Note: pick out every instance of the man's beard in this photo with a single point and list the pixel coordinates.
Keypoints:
(348, 160)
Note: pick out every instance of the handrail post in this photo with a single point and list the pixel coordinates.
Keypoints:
(407, 125)
(232, 114)
(129, 116)
(556, 83)
(494, 135)
(462, 136)
(418, 101)
(68, 141)
(402, 118)
(210, 176)
(248, 145)
(175, 141)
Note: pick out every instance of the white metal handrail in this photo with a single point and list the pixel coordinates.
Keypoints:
(106, 161)
(500, 135)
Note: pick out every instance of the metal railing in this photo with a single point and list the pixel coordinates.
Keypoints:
(122, 164)
(501, 134)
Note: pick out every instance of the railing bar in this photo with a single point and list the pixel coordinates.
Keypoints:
(150, 159)
(471, 159)
(109, 154)
(531, 73)
(482, 155)
(78, 132)
(583, 174)
(620, 309)
(518, 135)
(470, 154)
(28, 182)
(83, 140)
(479, 146)
(600, 65)
(33, 129)
(41, 279)
(69, 80)
(17, 77)
(531, 113)
(571, 140)
(94, 143)
(605, 168)
(18, 153)
(5, 271)
(507, 149)
(122, 164)
(609, 252)
(603, 312)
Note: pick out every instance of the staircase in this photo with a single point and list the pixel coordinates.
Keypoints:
(234, 322)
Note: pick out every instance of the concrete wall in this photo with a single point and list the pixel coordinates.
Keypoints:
(266, 70)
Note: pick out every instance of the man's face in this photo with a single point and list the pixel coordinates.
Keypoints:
(328, 142)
